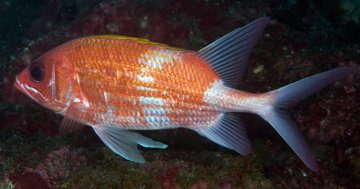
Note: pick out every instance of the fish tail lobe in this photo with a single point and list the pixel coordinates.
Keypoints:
(289, 95)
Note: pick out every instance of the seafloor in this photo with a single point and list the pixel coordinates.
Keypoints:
(303, 39)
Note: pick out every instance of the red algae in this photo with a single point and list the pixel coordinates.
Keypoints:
(27, 180)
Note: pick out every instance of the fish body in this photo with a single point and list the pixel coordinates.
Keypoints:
(152, 87)
(115, 84)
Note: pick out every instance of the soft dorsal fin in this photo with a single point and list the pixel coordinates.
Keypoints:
(229, 55)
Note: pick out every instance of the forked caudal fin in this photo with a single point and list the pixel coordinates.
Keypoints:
(291, 94)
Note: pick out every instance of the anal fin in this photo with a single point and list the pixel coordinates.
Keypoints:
(124, 142)
(229, 132)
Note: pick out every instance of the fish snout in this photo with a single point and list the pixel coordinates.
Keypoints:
(24, 88)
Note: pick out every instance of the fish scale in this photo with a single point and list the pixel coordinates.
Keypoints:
(115, 83)
(159, 85)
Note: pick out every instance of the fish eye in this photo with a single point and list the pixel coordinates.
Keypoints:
(36, 71)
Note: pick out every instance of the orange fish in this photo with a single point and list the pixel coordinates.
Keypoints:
(117, 83)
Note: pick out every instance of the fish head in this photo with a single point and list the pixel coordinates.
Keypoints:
(37, 81)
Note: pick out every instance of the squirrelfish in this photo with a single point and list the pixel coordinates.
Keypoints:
(115, 84)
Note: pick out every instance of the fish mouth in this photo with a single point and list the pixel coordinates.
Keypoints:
(24, 88)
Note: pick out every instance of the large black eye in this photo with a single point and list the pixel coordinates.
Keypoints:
(36, 71)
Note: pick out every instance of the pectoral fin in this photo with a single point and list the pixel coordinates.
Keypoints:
(71, 121)
(124, 142)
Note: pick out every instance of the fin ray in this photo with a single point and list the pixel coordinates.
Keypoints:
(295, 92)
(147, 142)
(70, 122)
(124, 142)
(230, 132)
(229, 55)
(288, 130)
(292, 94)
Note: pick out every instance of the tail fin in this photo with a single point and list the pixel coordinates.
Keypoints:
(292, 94)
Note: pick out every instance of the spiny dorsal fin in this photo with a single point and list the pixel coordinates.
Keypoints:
(141, 40)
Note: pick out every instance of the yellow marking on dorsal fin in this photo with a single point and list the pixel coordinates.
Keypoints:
(142, 40)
